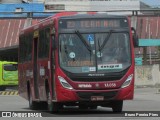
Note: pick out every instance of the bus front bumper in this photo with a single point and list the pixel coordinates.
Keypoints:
(66, 95)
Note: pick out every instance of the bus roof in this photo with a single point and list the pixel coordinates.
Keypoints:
(98, 15)
(70, 15)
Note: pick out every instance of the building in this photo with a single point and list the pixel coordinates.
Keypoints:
(12, 20)
(92, 5)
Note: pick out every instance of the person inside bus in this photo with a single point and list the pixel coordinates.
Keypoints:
(116, 49)
(123, 53)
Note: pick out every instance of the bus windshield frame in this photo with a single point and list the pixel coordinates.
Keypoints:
(100, 40)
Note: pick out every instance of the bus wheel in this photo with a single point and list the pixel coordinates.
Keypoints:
(53, 107)
(32, 104)
(117, 106)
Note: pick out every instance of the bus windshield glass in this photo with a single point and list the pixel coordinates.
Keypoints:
(10, 67)
(109, 52)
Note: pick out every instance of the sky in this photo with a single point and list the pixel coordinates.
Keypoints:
(152, 2)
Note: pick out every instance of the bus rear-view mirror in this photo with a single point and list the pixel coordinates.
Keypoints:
(135, 37)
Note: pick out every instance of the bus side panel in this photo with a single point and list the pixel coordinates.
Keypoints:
(25, 79)
(43, 75)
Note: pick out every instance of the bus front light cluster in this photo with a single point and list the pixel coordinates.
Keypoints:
(128, 81)
(64, 83)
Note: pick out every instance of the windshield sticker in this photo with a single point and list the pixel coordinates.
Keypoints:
(85, 69)
(109, 66)
(80, 63)
(99, 54)
(92, 69)
(90, 39)
(72, 55)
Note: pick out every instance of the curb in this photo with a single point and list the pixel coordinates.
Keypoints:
(8, 92)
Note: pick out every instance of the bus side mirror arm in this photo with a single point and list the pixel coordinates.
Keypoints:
(135, 37)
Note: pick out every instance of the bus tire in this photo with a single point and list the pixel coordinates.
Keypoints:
(117, 106)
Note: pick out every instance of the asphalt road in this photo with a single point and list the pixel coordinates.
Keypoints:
(146, 99)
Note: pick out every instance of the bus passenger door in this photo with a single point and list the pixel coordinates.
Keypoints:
(35, 80)
(52, 59)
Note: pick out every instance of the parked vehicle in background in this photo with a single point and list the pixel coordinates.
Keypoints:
(8, 74)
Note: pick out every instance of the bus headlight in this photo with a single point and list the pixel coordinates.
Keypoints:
(128, 81)
(64, 83)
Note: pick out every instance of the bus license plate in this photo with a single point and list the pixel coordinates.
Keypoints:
(97, 98)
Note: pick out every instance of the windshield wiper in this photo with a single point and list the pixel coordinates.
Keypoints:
(106, 40)
(99, 50)
(83, 40)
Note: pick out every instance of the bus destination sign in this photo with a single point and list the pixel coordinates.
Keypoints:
(93, 23)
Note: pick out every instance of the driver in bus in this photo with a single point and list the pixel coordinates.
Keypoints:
(115, 49)
(123, 54)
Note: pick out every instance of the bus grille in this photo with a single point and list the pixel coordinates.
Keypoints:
(88, 95)
(93, 79)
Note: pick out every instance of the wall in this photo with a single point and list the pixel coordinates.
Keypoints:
(147, 75)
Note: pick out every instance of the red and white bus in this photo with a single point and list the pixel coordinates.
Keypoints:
(84, 60)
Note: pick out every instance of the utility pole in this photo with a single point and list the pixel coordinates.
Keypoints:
(145, 48)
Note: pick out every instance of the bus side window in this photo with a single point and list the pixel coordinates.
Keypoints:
(22, 48)
(29, 47)
(47, 43)
(44, 41)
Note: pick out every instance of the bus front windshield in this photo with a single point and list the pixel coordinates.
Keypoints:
(95, 52)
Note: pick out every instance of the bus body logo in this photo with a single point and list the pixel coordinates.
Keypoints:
(84, 85)
(97, 85)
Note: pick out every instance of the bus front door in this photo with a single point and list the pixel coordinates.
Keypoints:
(52, 65)
(36, 93)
